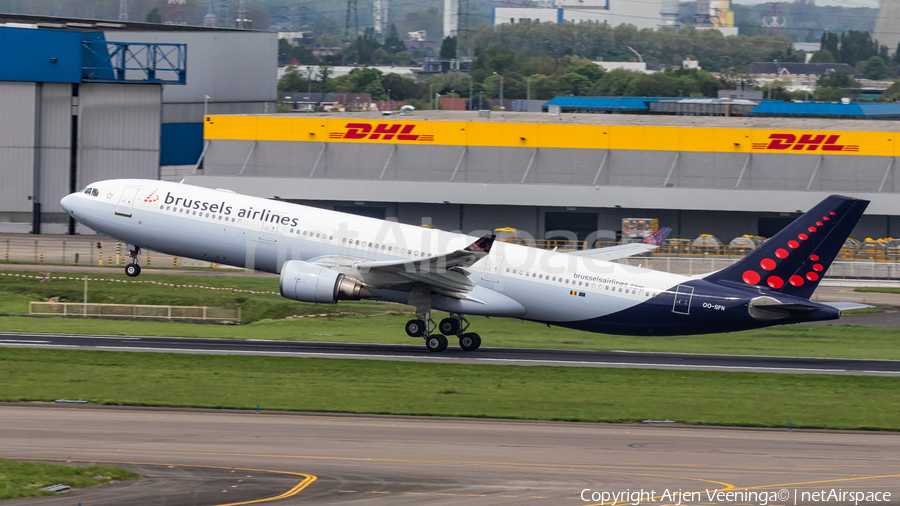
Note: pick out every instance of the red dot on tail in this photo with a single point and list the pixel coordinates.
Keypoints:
(781, 253)
(831, 213)
(803, 237)
(794, 244)
(751, 277)
(812, 276)
(812, 229)
(814, 258)
(826, 218)
(767, 264)
(818, 267)
(775, 282)
(796, 280)
(819, 223)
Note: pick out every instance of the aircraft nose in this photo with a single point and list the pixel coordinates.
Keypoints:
(66, 202)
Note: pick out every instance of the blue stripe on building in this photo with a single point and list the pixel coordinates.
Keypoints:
(180, 143)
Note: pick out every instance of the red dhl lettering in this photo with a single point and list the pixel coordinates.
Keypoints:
(382, 131)
(804, 142)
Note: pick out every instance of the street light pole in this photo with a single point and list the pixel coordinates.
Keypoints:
(206, 105)
(308, 80)
(501, 90)
(390, 102)
(528, 89)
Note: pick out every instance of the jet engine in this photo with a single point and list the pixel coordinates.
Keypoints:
(309, 282)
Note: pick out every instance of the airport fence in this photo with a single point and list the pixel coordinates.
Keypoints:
(135, 311)
(75, 250)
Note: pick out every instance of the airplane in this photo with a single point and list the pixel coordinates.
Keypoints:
(325, 256)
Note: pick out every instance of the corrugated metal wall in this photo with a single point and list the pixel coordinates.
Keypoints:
(16, 145)
(119, 131)
(551, 166)
(56, 125)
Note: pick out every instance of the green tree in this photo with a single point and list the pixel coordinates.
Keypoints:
(892, 94)
(402, 88)
(291, 81)
(362, 49)
(573, 83)
(392, 43)
(448, 48)
(825, 94)
(323, 78)
(154, 16)
(376, 89)
(836, 79)
(822, 56)
(875, 69)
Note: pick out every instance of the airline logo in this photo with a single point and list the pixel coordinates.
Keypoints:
(153, 197)
(805, 142)
(380, 131)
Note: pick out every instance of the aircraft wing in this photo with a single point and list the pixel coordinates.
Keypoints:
(443, 274)
(649, 243)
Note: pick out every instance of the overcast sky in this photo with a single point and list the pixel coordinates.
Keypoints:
(842, 3)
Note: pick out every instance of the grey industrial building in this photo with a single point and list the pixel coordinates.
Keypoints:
(79, 102)
(726, 190)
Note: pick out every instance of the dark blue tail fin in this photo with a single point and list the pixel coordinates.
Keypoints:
(658, 237)
(794, 261)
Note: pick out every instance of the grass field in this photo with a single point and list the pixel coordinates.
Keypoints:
(18, 480)
(264, 319)
(410, 388)
(16, 293)
(877, 289)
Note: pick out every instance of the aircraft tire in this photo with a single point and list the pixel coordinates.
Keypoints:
(449, 326)
(436, 343)
(415, 328)
(469, 342)
(132, 270)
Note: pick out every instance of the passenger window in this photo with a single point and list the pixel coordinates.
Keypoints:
(95, 192)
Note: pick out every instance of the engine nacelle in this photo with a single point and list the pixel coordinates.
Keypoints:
(308, 282)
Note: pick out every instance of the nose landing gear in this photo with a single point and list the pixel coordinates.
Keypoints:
(133, 269)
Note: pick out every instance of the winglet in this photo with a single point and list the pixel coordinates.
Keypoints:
(482, 245)
(658, 237)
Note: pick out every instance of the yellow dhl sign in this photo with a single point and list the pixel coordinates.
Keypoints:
(551, 135)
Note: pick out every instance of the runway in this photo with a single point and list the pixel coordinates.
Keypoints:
(366, 459)
(495, 356)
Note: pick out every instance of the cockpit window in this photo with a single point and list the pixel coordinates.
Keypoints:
(84, 190)
(95, 192)
(87, 191)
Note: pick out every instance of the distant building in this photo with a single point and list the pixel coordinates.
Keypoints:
(640, 14)
(788, 69)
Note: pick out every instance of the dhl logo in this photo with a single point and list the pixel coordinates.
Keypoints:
(381, 131)
(804, 142)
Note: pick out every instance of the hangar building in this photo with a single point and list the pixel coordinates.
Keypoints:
(84, 100)
(543, 173)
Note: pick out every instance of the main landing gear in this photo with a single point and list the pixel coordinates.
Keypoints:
(456, 325)
(133, 269)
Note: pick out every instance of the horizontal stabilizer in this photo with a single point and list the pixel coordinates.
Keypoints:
(846, 306)
(649, 243)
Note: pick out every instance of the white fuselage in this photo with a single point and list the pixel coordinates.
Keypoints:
(254, 233)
